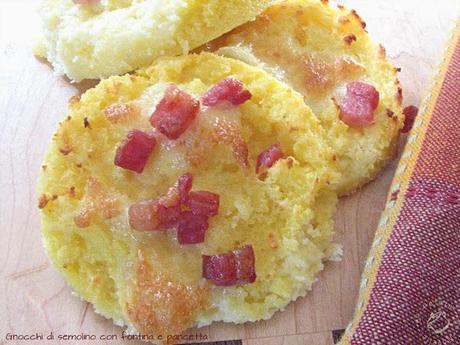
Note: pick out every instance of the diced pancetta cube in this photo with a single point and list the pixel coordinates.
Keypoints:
(230, 90)
(358, 105)
(227, 269)
(175, 112)
(203, 203)
(220, 268)
(188, 211)
(135, 150)
(410, 114)
(268, 158)
(184, 185)
(192, 228)
(151, 215)
(245, 264)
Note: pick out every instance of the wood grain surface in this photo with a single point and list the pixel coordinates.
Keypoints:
(34, 298)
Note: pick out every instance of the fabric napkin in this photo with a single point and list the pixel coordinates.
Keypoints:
(410, 288)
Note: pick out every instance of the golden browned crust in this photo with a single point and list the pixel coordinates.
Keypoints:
(119, 113)
(97, 203)
(160, 304)
(42, 201)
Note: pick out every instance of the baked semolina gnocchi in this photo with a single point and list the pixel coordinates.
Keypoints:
(195, 190)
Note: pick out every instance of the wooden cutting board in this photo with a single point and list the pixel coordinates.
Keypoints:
(34, 298)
